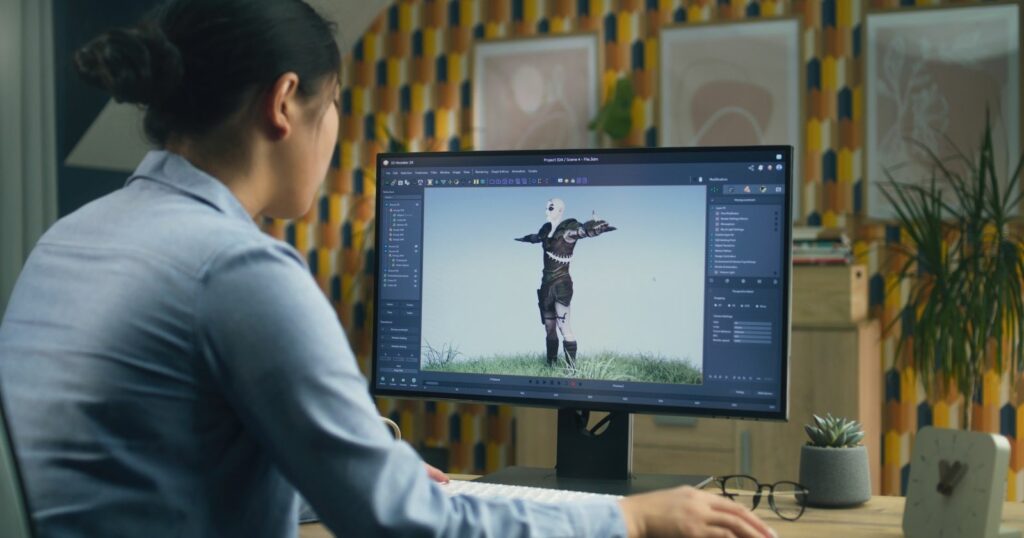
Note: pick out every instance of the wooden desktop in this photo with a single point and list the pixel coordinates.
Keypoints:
(879, 517)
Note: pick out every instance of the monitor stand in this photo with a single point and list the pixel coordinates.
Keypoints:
(593, 460)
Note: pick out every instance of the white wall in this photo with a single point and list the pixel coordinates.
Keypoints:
(28, 159)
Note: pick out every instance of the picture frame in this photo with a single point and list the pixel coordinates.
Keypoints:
(734, 83)
(536, 92)
(930, 73)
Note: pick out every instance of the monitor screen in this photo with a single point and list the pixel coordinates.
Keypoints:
(647, 280)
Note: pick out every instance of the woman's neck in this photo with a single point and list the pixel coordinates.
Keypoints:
(229, 164)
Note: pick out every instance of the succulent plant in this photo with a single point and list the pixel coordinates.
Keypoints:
(834, 432)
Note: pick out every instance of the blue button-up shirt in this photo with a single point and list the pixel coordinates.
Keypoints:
(169, 370)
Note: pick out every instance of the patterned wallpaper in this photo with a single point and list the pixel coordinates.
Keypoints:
(409, 76)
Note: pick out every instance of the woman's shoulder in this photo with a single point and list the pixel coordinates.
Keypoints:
(169, 234)
(259, 250)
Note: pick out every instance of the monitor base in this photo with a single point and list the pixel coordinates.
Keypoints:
(547, 478)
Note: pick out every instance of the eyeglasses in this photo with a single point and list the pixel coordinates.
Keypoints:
(787, 499)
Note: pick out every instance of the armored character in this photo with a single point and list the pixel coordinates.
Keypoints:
(558, 238)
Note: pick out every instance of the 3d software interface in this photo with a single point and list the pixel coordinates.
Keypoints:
(648, 278)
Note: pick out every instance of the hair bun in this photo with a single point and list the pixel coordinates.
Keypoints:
(138, 65)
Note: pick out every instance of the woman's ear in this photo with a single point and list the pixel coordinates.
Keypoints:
(281, 110)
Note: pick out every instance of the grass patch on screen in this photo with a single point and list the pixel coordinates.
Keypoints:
(608, 366)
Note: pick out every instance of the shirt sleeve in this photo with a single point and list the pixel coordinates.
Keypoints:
(274, 344)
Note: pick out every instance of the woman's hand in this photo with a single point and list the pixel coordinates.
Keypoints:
(436, 474)
(690, 513)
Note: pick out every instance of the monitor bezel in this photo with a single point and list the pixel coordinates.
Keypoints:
(780, 415)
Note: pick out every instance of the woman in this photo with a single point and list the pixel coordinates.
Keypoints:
(168, 370)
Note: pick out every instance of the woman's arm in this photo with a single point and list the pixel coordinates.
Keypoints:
(275, 346)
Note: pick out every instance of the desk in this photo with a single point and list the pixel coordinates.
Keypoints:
(879, 517)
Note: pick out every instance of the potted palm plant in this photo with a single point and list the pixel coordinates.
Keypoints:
(964, 262)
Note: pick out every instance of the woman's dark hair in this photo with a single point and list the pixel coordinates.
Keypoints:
(192, 63)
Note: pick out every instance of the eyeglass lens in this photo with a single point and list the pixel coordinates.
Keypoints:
(788, 499)
(743, 490)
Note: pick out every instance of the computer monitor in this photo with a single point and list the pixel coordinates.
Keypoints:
(652, 280)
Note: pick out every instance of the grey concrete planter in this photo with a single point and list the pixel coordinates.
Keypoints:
(835, 477)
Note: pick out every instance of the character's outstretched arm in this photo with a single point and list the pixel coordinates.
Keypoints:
(592, 228)
(537, 237)
(532, 238)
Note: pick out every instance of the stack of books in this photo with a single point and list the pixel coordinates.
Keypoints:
(818, 246)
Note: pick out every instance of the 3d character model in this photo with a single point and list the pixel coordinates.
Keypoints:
(559, 237)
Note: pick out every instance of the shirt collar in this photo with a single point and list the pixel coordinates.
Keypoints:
(176, 172)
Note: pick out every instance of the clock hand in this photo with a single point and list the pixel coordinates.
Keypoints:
(950, 475)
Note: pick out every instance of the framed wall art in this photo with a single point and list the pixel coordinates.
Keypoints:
(535, 93)
(733, 83)
(930, 77)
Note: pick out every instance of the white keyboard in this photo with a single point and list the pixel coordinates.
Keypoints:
(483, 489)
